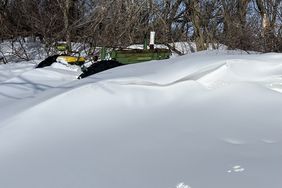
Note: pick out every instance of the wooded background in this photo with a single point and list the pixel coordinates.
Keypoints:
(239, 24)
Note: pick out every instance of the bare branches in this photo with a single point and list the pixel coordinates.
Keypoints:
(240, 24)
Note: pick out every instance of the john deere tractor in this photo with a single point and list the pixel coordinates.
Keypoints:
(108, 57)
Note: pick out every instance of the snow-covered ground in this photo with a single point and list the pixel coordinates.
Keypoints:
(205, 120)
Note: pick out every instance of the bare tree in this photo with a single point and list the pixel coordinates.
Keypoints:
(269, 13)
(244, 24)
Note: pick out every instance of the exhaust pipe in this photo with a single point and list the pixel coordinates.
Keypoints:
(152, 40)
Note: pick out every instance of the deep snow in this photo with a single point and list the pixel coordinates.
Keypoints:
(204, 120)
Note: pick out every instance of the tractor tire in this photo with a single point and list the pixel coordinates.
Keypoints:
(99, 67)
(48, 61)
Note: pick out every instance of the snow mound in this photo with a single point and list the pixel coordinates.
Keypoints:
(210, 119)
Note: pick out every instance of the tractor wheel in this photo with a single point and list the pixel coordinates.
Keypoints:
(48, 61)
(99, 67)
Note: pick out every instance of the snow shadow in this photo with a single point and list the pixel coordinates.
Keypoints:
(22, 88)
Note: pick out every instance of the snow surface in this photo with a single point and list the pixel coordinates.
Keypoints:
(205, 120)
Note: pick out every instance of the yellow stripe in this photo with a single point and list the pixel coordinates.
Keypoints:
(72, 59)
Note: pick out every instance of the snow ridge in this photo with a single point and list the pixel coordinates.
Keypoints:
(201, 120)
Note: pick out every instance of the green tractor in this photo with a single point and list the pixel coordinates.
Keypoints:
(108, 57)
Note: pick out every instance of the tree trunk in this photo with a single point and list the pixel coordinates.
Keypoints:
(66, 10)
(196, 19)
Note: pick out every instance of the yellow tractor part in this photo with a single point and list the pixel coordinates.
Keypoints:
(71, 59)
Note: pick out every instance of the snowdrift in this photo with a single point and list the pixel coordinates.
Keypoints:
(209, 119)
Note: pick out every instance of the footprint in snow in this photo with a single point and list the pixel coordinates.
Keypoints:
(182, 185)
(236, 169)
(234, 141)
(269, 141)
